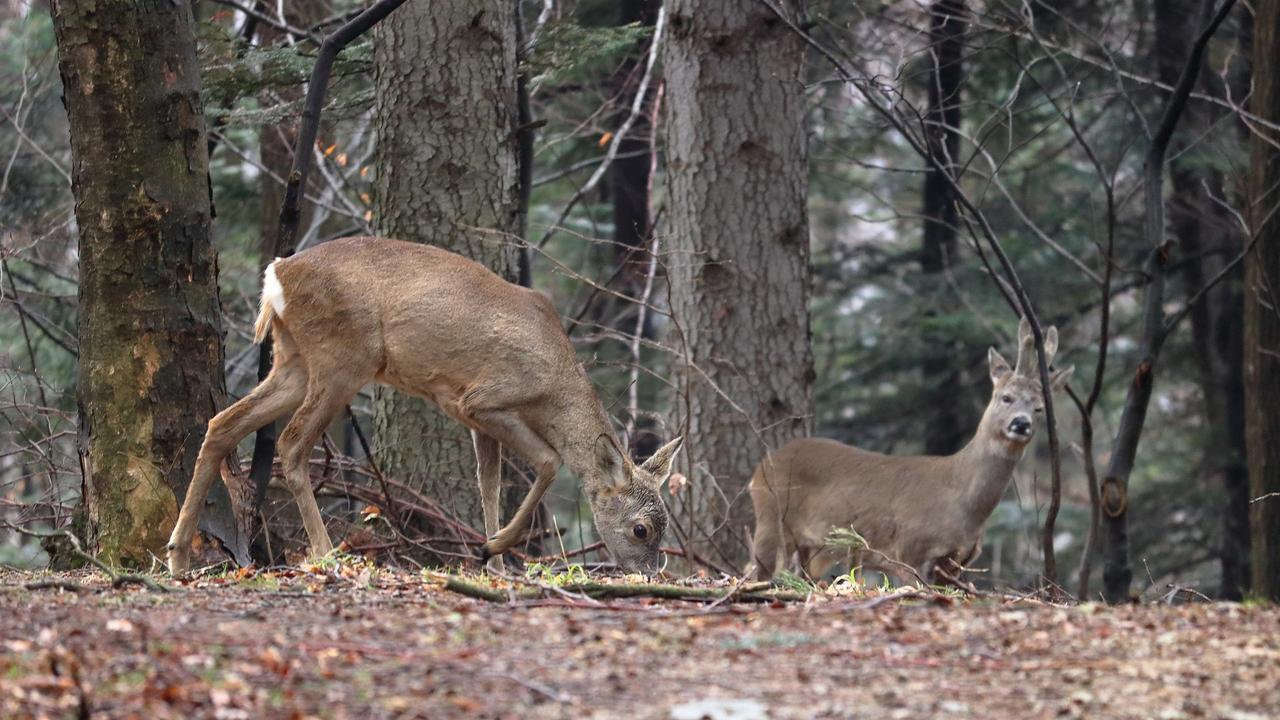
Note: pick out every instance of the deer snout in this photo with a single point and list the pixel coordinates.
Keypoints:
(1020, 426)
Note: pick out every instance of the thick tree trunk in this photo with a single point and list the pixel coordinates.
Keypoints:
(149, 323)
(1208, 238)
(1262, 312)
(947, 429)
(739, 281)
(447, 175)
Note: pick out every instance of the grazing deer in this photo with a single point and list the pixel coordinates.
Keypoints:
(491, 354)
(913, 512)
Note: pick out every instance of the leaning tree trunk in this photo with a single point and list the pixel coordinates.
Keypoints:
(276, 143)
(1208, 237)
(947, 429)
(150, 332)
(446, 175)
(738, 276)
(1262, 311)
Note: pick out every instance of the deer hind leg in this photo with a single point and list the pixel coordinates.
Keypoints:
(327, 393)
(489, 475)
(278, 395)
(510, 431)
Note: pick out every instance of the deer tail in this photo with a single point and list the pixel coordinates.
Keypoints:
(272, 305)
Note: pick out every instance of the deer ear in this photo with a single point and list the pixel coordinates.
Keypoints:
(611, 464)
(1059, 378)
(659, 464)
(999, 366)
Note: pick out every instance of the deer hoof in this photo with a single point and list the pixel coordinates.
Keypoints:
(179, 561)
(484, 552)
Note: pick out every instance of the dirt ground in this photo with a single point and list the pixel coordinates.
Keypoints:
(344, 644)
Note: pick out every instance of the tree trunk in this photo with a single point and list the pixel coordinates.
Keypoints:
(1262, 312)
(947, 430)
(1117, 571)
(447, 175)
(1208, 238)
(150, 361)
(739, 281)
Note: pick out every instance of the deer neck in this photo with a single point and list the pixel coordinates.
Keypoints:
(573, 429)
(983, 469)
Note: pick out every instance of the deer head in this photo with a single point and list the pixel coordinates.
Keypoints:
(629, 513)
(1017, 397)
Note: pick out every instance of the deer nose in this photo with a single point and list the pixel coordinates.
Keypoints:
(1020, 426)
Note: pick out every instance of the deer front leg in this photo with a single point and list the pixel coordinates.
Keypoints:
(511, 431)
(489, 475)
(276, 397)
(765, 547)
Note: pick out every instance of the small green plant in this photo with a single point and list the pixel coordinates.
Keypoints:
(335, 560)
(853, 576)
(791, 581)
(572, 575)
(846, 538)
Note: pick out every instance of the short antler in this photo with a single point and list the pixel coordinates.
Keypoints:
(1026, 365)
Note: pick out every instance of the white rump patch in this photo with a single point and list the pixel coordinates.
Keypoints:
(271, 290)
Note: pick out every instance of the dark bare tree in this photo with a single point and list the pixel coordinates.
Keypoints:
(1262, 311)
(948, 426)
(1209, 237)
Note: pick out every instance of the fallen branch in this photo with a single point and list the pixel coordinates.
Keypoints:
(747, 592)
(58, 585)
(118, 579)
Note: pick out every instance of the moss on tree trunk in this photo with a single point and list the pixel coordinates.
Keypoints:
(150, 365)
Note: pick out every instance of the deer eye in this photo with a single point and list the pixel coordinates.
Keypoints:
(1039, 409)
(1006, 399)
(640, 531)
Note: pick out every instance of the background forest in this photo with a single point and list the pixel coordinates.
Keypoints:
(926, 141)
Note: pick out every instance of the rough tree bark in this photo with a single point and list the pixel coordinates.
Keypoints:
(149, 323)
(739, 283)
(1209, 238)
(1262, 311)
(947, 429)
(446, 175)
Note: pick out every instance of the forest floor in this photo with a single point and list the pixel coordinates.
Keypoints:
(359, 643)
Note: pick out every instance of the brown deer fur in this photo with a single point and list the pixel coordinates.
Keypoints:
(429, 322)
(912, 511)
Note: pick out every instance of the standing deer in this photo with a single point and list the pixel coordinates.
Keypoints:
(491, 354)
(913, 512)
